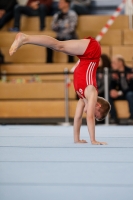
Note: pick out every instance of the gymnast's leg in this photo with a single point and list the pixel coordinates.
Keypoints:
(70, 47)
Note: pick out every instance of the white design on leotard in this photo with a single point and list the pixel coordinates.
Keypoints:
(89, 73)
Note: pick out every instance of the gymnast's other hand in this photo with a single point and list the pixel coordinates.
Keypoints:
(98, 143)
(81, 141)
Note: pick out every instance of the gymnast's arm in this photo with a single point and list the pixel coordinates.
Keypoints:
(78, 121)
(91, 96)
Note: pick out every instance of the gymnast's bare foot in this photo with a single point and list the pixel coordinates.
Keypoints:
(18, 42)
(81, 141)
(98, 143)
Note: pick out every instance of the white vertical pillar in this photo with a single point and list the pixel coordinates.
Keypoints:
(106, 90)
(129, 12)
(66, 97)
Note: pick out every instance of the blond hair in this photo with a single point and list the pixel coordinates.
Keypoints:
(105, 108)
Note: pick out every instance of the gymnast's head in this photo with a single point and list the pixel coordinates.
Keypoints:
(103, 107)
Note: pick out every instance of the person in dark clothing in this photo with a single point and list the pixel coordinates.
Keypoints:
(33, 8)
(6, 11)
(64, 24)
(121, 85)
(81, 7)
(104, 62)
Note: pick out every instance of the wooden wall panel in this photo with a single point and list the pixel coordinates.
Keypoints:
(128, 37)
(122, 109)
(97, 22)
(26, 54)
(106, 50)
(32, 109)
(112, 37)
(72, 109)
(35, 67)
(48, 90)
(48, 109)
(36, 109)
(121, 22)
(85, 22)
(33, 24)
(125, 51)
(91, 22)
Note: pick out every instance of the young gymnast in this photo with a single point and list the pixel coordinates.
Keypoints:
(88, 51)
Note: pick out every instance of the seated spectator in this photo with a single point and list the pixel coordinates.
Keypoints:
(104, 62)
(81, 7)
(32, 8)
(55, 8)
(121, 86)
(64, 23)
(6, 11)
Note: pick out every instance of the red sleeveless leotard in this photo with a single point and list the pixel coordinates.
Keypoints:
(85, 72)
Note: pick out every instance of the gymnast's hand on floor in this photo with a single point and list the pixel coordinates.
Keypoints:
(98, 143)
(81, 141)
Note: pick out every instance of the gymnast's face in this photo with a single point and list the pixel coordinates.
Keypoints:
(98, 111)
